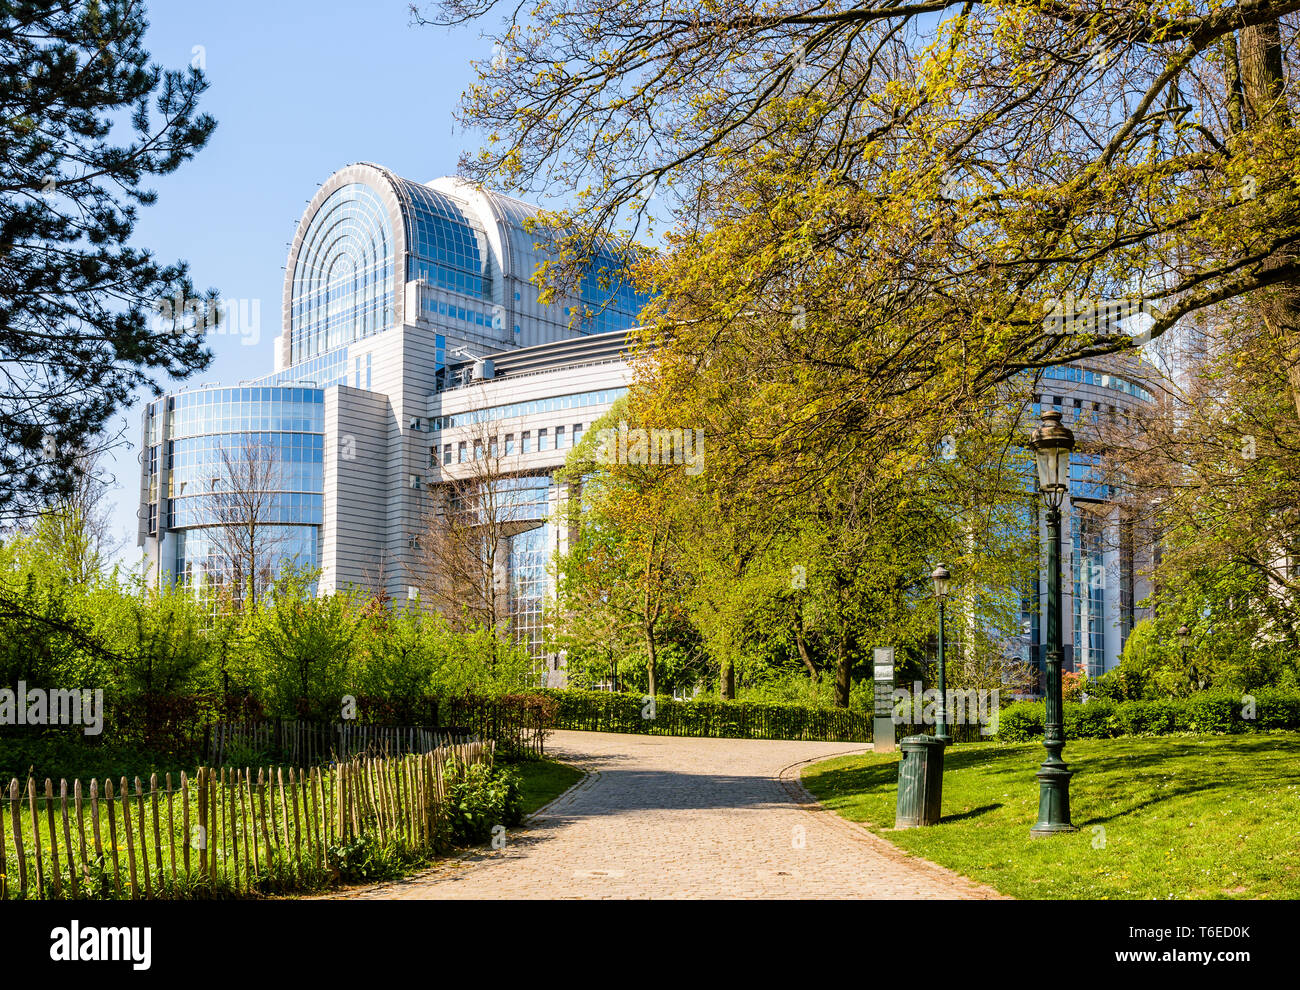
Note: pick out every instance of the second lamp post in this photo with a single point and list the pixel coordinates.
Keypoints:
(1052, 443)
(941, 579)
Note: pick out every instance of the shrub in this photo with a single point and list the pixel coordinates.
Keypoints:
(1208, 713)
(365, 859)
(603, 711)
(1202, 713)
(1093, 720)
(1145, 718)
(1277, 710)
(1073, 684)
(1021, 722)
(479, 797)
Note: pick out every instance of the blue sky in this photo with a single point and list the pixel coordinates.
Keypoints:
(299, 90)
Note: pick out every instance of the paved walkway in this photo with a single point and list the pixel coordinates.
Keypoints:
(665, 817)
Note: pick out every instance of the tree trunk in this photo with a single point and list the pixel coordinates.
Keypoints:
(801, 643)
(727, 682)
(650, 659)
(1263, 85)
(842, 668)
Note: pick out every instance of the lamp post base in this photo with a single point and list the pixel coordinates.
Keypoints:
(1053, 801)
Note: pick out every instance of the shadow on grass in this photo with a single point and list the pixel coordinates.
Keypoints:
(1141, 772)
(983, 809)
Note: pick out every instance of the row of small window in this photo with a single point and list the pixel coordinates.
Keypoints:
(225, 396)
(271, 452)
(462, 452)
(285, 508)
(275, 446)
(247, 420)
(517, 410)
(204, 480)
(444, 308)
(240, 410)
(1083, 376)
(1073, 412)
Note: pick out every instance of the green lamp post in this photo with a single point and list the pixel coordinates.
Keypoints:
(1052, 443)
(942, 579)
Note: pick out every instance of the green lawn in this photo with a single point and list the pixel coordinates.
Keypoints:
(542, 781)
(1180, 817)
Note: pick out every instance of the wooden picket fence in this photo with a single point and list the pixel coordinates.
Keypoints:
(227, 830)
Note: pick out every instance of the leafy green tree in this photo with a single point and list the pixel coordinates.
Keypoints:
(915, 202)
(161, 637)
(303, 650)
(1229, 646)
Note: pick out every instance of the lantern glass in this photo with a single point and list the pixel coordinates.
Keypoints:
(1046, 469)
(941, 580)
(1053, 469)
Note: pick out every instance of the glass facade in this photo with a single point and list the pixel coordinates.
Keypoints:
(1087, 478)
(242, 410)
(524, 499)
(200, 559)
(518, 410)
(372, 234)
(611, 300)
(529, 553)
(209, 450)
(1089, 593)
(1127, 578)
(1095, 524)
(322, 372)
(343, 280)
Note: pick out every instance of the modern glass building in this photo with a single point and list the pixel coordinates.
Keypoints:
(1103, 567)
(409, 321)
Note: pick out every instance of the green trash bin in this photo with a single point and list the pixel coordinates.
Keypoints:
(920, 782)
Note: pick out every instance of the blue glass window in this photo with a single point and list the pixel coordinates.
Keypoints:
(343, 280)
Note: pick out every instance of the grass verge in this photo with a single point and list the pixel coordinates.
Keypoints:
(1167, 817)
(542, 781)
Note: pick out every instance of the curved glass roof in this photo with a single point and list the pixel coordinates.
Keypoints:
(347, 274)
(443, 247)
(343, 281)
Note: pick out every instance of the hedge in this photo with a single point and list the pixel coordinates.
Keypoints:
(1205, 713)
(604, 711)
